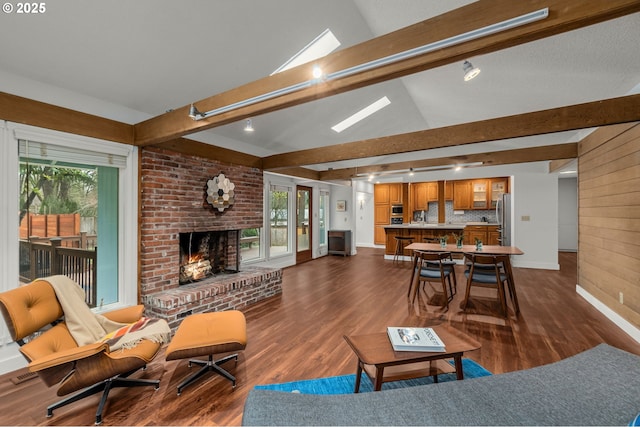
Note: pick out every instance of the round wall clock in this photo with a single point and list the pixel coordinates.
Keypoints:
(220, 192)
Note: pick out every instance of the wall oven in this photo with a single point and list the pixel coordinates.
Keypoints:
(396, 210)
(396, 214)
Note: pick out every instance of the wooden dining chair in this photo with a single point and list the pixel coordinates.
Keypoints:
(430, 267)
(490, 271)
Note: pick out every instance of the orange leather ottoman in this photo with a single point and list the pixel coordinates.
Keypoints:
(206, 334)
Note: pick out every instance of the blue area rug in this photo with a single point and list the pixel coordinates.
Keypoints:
(344, 384)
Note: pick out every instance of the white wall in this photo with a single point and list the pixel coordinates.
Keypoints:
(568, 214)
(364, 214)
(343, 220)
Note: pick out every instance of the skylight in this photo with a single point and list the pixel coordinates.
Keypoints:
(321, 46)
(362, 114)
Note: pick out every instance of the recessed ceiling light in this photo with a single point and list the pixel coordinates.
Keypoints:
(362, 114)
(321, 46)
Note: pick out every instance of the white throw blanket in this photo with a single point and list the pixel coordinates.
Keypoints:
(87, 327)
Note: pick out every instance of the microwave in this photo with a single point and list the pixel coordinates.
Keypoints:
(396, 209)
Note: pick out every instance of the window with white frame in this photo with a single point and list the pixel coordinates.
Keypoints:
(77, 207)
(279, 221)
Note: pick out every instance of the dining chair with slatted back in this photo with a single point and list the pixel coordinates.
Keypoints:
(489, 271)
(430, 267)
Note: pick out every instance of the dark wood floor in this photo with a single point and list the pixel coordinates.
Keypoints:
(298, 335)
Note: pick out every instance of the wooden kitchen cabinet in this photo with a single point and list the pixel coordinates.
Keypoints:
(432, 191)
(480, 193)
(448, 190)
(462, 198)
(420, 196)
(493, 235)
(473, 232)
(395, 193)
(381, 194)
(488, 234)
(498, 187)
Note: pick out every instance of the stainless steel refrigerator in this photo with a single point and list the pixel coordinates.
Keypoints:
(503, 216)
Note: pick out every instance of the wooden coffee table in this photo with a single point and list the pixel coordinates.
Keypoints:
(381, 363)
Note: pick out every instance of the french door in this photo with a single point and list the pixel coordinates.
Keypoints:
(303, 224)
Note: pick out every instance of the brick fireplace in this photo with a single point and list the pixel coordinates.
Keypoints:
(173, 204)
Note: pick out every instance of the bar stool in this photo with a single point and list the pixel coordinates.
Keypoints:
(401, 243)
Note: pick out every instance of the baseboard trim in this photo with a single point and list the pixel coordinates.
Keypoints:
(621, 322)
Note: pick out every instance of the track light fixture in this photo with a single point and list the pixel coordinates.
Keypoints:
(381, 62)
(469, 71)
(194, 113)
(248, 127)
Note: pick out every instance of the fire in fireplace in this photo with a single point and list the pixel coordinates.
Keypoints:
(204, 254)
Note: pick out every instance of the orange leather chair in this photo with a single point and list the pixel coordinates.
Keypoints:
(56, 357)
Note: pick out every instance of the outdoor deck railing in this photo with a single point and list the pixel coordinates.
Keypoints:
(47, 259)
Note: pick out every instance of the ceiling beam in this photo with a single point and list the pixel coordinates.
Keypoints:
(591, 114)
(301, 173)
(564, 15)
(494, 158)
(212, 152)
(35, 113)
(557, 165)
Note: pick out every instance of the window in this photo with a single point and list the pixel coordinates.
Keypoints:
(279, 199)
(76, 196)
(250, 244)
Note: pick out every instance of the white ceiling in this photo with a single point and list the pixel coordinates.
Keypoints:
(149, 56)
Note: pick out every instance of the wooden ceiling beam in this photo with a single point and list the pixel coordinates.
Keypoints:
(212, 152)
(592, 114)
(494, 158)
(564, 15)
(48, 116)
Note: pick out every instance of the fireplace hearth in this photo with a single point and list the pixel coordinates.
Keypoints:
(208, 253)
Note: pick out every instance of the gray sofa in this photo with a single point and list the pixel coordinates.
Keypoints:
(600, 386)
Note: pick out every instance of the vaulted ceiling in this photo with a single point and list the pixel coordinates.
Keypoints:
(542, 85)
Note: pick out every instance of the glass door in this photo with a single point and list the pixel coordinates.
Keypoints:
(303, 224)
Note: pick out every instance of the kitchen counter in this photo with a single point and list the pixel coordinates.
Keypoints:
(419, 226)
(420, 232)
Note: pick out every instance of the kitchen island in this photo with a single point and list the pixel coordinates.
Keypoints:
(420, 231)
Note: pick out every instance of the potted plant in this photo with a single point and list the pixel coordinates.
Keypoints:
(478, 244)
(443, 241)
(459, 239)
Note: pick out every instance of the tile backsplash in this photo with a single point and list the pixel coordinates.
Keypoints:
(451, 218)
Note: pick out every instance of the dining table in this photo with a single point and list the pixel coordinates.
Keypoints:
(471, 249)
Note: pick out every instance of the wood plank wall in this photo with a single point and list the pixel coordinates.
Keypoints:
(609, 218)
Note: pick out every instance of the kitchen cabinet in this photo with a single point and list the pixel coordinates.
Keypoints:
(462, 195)
(498, 187)
(487, 234)
(385, 195)
(395, 193)
(493, 235)
(381, 194)
(480, 192)
(432, 191)
(473, 232)
(420, 197)
(448, 190)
